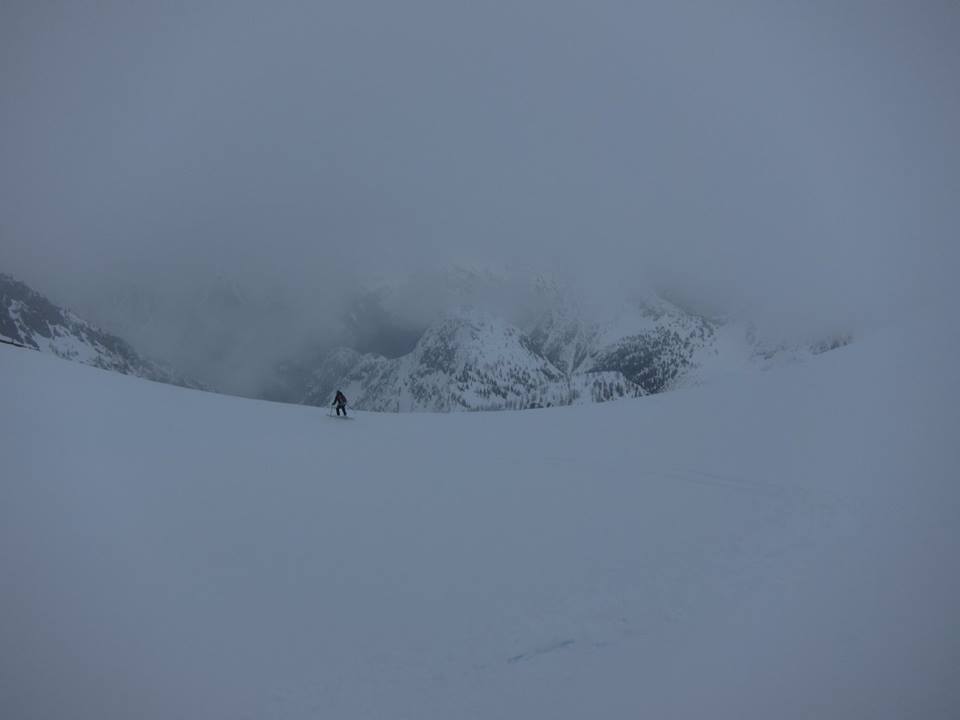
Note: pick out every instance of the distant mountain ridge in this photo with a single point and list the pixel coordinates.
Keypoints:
(28, 318)
(471, 360)
(467, 361)
(530, 347)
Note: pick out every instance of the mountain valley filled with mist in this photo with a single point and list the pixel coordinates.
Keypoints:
(542, 359)
(455, 340)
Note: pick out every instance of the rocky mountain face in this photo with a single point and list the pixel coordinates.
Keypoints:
(651, 342)
(475, 361)
(467, 361)
(28, 318)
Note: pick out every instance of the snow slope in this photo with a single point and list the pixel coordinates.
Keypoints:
(781, 545)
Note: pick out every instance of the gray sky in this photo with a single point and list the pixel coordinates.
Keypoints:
(792, 159)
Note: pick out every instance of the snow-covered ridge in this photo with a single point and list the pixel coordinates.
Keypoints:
(467, 361)
(472, 360)
(30, 319)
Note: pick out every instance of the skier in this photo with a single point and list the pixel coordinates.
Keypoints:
(341, 402)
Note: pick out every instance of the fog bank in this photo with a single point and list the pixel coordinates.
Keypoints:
(796, 163)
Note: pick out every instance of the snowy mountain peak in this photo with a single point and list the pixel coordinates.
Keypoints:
(471, 359)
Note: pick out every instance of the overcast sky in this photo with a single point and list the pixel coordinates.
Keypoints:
(795, 158)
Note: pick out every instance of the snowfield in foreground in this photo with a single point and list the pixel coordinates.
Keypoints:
(782, 545)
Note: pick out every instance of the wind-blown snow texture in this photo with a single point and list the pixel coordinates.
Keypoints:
(778, 545)
(28, 318)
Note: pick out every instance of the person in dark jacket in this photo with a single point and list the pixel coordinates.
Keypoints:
(341, 402)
